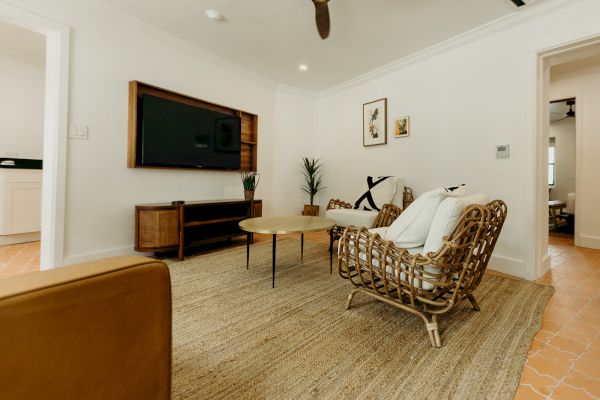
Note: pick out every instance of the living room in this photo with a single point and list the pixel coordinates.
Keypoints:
(469, 85)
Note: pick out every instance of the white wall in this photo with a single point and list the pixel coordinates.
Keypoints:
(296, 136)
(21, 107)
(107, 51)
(563, 133)
(464, 98)
(584, 84)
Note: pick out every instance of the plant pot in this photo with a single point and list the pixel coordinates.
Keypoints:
(311, 210)
(249, 195)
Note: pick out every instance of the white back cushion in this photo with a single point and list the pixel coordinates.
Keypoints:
(398, 199)
(446, 218)
(410, 229)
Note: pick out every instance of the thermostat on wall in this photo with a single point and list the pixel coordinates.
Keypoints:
(503, 151)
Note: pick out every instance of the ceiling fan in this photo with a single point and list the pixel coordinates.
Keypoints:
(568, 114)
(322, 17)
(324, 23)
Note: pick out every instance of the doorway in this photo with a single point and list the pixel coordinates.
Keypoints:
(561, 168)
(55, 122)
(568, 73)
(22, 78)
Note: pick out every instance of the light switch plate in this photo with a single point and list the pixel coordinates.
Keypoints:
(79, 132)
(503, 151)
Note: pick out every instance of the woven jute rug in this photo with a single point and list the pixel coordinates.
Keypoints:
(236, 338)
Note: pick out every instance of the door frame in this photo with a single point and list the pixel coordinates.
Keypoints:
(56, 114)
(539, 252)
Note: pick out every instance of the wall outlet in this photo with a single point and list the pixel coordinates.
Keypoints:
(79, 132)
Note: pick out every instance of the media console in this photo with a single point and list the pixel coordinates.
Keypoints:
(175, 226)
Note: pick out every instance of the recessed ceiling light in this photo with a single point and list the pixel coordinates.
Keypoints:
(214, 15)
(303, 67)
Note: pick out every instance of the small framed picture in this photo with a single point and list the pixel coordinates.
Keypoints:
(402, 127)
(375, 123)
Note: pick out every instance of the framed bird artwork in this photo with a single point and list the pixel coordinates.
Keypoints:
(375, 123)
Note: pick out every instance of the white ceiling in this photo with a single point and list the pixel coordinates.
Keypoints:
(272, 37)
(27, 45)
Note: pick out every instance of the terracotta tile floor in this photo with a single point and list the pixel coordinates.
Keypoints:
(17, 259)
(564, 359)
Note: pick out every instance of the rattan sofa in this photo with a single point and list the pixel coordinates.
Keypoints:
(427, 285)
(388, 213)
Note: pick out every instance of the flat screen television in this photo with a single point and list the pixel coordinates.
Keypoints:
(173, 134)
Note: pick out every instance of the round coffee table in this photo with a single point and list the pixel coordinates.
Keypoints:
(285, 225)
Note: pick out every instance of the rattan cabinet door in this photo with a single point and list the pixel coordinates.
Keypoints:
(157, 229)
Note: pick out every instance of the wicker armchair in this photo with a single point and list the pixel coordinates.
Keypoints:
(385, 217)
(429, 284)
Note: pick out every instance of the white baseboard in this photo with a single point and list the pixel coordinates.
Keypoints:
(122, 251)
(19, 238)
(546, 263)
(590, 242)
(508, 265)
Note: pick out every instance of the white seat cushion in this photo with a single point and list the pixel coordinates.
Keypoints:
(346, 217)
(446, 218)
(410, 229)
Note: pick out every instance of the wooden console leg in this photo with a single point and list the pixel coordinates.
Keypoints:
(180, 252)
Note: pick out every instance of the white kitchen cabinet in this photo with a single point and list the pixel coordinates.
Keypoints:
(20, 200)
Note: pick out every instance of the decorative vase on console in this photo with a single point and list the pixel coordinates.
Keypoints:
(250, 181)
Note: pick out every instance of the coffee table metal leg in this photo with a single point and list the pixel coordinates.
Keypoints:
(248, 239)
(274, 248)
(302, 246)
(331, 251)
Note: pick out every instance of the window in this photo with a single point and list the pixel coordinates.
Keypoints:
(551, 165)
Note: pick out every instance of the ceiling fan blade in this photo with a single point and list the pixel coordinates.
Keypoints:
(322, 17)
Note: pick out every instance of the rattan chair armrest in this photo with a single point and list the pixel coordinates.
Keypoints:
(337, 203)
(387, 215)
(382, 258)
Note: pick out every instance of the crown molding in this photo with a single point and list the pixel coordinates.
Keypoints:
(20, 57)
(298, 91)
(535, 9)
(175, 41)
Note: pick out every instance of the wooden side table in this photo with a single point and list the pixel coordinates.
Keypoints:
(555, 208)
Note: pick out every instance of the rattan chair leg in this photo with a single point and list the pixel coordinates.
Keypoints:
(473, 302)
(350, 297)
(434, 332)
(431, 338)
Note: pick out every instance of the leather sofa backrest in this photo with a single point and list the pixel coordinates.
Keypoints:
(97, 330)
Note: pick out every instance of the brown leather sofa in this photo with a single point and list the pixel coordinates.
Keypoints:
(97, 330)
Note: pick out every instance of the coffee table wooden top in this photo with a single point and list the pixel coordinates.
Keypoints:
(284, 225)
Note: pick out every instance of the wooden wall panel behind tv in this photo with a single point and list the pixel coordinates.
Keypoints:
(249, 151)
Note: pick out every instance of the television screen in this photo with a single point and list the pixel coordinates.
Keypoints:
(174, 134)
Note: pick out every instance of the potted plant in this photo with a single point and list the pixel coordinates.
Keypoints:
(250, 181)
(311, 169)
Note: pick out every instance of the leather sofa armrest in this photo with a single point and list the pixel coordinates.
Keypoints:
(95, 330)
